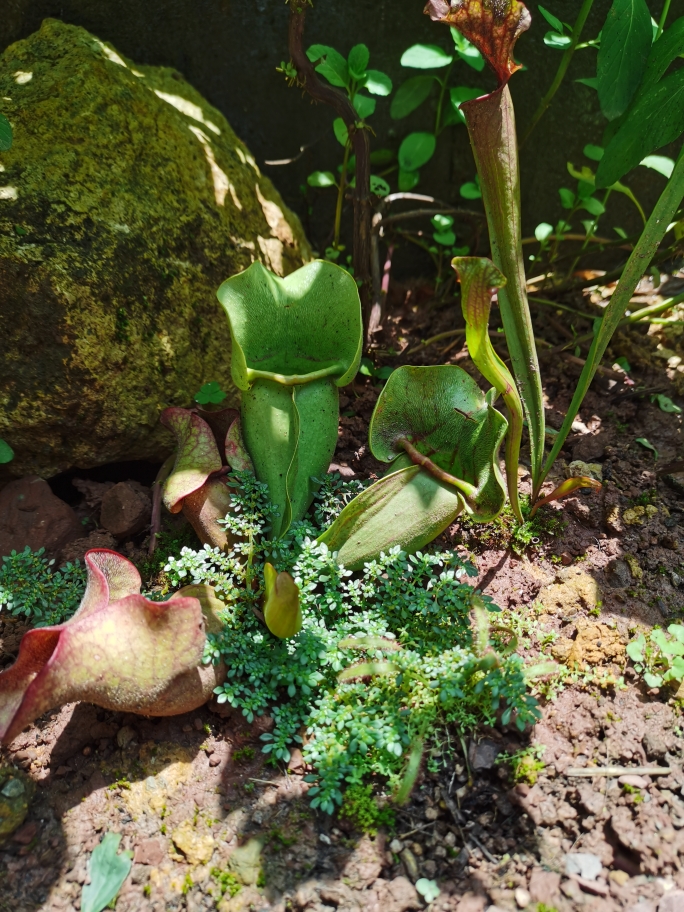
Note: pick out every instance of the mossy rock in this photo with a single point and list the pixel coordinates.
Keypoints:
(125, 201)
(16, 791)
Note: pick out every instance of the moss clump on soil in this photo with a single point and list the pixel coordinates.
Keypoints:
(125, 200)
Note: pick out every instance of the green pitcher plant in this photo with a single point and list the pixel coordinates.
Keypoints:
(441, 436)
(295, 342)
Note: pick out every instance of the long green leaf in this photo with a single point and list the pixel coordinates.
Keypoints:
(107, 873)
(625, 44)
(657, 118)
(665, 50)
(638, 262)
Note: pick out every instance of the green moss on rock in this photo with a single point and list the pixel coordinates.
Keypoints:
(125, 201)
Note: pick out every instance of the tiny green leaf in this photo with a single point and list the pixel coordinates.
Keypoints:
(649, 446)
(416, 150)
(425, 57)
(660, 163)
(623, 363)
(6, 452)
(445, 238)
(467, 51)
(559, 42)
(590, 81)
(595, 153)
(543, 232)
(459, 94)
(379, 186)
(332, 65)
(410, 95)
(210, 393)
(321, 179)
(567, 197)
(358, 61)
(377, 83)
(593, 206)
(428, 889)
(340, 131)
(282, 611)
(553, 21)
(471, 190)
(367, 670)
(408, 179)
(364, 106)
(666, 404)
(107, 871)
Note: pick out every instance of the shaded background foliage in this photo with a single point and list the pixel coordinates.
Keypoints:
(229, 50)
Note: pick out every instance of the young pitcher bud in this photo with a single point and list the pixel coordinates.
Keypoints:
(282, 613)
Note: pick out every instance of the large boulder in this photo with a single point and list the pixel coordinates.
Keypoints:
(125, 200)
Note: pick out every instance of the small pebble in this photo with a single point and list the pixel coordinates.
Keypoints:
(635, 781)
(87, 751)
(417, 848)
(522, 898)
(325, 839)
(450, 839)
(198, 724)
(187, 728)
(396, 846)
(431, 814)
(619, 877)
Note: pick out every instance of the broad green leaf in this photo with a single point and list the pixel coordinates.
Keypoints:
(364, 106)
(6, 452)
(626, 40)
(340, 131)
(595, 153)
(379, 186)
(282, 611)
(407, 180)
(657, 118)
(664, 51)
(331, 65)
(660, 163)
(107, 871)
(358, 61)
(377, 83)
(677, 631)
(441, 413)
(5, 134)
(459, 94)
(425, 57)
(669, 647)
(467, 51)
(321, 179)
(559, 42)
(676, 670)
(416, 150)
(407, 508)
(553, 21)
(295, 329)
(410, 95)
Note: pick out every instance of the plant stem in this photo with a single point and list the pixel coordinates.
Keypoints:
(663, 19)
(340, 197)
(562, 69)
(359, 138)
(443, 83)
(638, 263)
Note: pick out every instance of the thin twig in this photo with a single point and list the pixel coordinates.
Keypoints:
(437, 338)
(587, 772)
(417, 830)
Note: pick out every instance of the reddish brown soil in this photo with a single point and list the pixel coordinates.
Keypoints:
(487, 841)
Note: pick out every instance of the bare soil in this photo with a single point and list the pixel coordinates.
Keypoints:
(188, 792)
